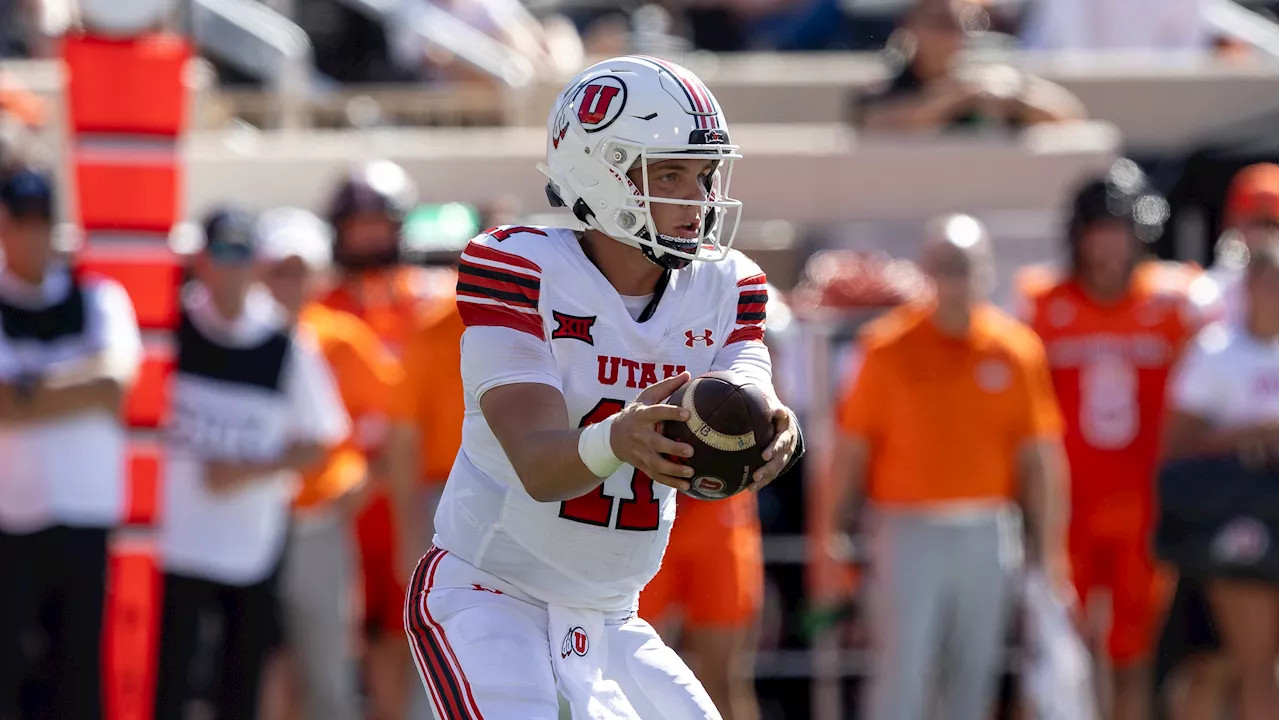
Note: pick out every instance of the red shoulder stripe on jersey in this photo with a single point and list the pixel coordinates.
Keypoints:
(744, 334)
(451, 687)
(484, 252)
(506, 287)
(751, 305)
(476, 314)
(757, 279)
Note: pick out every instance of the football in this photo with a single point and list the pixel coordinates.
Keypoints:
(729, 427)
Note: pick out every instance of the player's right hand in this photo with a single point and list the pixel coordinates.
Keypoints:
(635, 438)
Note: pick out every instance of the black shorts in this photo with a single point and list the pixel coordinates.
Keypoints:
(1188, 630)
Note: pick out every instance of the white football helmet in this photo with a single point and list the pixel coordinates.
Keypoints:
(630, 112)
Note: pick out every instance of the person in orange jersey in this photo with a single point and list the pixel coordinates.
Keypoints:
(319, 571)
(950, 428)
(1113, 326)
(367, 212)
(710, 588)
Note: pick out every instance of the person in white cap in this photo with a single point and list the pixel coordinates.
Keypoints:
(294, 250)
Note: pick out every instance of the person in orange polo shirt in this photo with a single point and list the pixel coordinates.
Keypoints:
(949, 427)
(1114, 325)
(367, 212)
(320, 570)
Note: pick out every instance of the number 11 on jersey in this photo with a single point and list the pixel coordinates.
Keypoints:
(596, 507)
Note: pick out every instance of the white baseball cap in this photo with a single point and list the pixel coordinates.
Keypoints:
(288, 232)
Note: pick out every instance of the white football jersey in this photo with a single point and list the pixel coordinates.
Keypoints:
(537, 310)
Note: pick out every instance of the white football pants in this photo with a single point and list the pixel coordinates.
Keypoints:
(483, 650)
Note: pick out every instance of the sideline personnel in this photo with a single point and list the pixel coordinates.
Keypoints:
(69, 350)
(951, 425)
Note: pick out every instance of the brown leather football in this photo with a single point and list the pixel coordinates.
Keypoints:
(729, 427)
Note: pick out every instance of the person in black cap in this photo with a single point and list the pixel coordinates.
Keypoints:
(252, 404)
(69, 350)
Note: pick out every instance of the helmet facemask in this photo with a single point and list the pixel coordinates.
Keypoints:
(635, 218)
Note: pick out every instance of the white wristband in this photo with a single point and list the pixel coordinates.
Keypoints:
(595, 449)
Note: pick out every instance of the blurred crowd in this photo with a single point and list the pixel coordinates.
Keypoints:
(354, 44)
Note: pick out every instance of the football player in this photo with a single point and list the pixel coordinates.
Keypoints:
(1114, 324)
(367, 212)
(559, 506)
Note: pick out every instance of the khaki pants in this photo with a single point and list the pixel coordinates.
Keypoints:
(940, 596)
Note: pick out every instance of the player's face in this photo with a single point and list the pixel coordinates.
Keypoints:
(27, 242)
(226, 277)
(367, 233)
(290, 281)
(1106, 254)
(678, 180)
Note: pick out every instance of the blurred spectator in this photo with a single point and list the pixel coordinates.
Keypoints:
(934, 89)
(1117, 25)
(551, 46)
(253, 404)
(374, 282)
(1252, 216)
(69, 350)
(1113, 327)
(1224, 401)
(320, 567)
(950, 425)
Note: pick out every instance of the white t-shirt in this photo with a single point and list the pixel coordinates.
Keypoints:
(67, 470)
(1229, 378)
(237, 537)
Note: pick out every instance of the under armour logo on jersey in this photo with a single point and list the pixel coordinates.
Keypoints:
(575, 643)
(572, 327)
(704, 338)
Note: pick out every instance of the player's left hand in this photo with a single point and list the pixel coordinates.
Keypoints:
(778, 454)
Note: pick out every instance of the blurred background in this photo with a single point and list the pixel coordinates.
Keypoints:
(267, 103)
